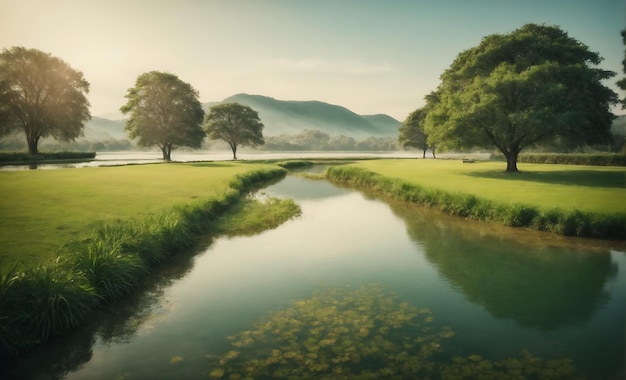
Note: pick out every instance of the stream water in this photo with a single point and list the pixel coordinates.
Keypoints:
(356, 287)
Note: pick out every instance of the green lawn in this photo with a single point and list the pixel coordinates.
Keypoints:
(42, 209)
(590, 188)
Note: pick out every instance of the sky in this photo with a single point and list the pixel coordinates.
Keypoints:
(369, 56)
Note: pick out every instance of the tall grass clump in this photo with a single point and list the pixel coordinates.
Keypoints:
(568, 223)
(132, 237)
(104, 265)
(40, 303)
(245, 182)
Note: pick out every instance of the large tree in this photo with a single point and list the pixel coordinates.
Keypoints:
(164, 111)
(622, 82)
(520, 89)
(42, 96)
(236, 124)
(413, 133)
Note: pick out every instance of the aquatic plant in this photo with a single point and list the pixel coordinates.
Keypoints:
(292, 164)
(363, 333)
(253, 215)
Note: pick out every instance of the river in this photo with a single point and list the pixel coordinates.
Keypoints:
(355, 287)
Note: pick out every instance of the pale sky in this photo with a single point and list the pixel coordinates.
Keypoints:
(369, 56)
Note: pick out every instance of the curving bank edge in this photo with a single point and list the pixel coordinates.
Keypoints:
(562, 222)
(39, 303)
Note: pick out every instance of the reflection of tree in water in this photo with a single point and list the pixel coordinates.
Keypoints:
(117, 322)
(535, 286)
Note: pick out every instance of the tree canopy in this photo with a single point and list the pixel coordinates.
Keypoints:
(622, 82)
(164, 111)
(236, 124)
(516, 90)
(412, 131)
(42, 96)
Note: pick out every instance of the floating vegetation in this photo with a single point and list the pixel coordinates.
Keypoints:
(257, 214)
(176, 359)
(362, 334)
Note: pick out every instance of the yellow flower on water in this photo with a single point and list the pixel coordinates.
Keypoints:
(176, 359)
(446, 333)
(290, 354)
(217, 373)
(230, 355)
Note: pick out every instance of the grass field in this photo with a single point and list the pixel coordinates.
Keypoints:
(586, 188)
(41, 210)
(126, 222)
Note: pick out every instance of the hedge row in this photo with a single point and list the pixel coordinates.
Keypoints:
(25, 157)
(563, 222)
(596, 159)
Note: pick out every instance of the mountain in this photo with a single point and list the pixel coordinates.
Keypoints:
(293, 117)
(99, 129)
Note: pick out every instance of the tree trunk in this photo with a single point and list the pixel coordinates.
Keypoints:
(233, 147)
(424, 153)
(32, 141)
(511, 161)
(434, 151)
(167, 152)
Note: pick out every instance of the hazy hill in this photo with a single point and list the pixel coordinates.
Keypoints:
(293, 117)
(99, 129)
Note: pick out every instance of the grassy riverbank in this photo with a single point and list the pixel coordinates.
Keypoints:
(111, 260)
(568, 200)
(43, 209)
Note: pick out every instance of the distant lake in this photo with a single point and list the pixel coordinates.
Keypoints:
(359, 285)
(130, 157)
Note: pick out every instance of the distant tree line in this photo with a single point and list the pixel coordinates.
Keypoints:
(16, 143)
(316, 140)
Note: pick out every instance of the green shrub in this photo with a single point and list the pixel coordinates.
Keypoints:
(518, 215)
(595, 159)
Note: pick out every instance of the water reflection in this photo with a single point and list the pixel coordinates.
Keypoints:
(539, 287)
